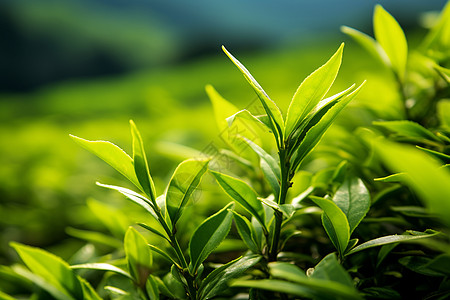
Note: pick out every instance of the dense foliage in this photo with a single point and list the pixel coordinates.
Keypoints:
(363, 214)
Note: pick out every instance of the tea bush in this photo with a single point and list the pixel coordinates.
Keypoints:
(364, 214)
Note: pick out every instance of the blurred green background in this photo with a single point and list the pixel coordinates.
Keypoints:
(86, 67)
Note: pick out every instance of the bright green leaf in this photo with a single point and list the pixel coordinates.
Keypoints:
(243, 194)
(141, 165)
(184, 181)
(139, 256)
(443, 111)
(391, 37)
(112, 155)
(103, 267)
(312, 90)
(408, 129)
(209, 235)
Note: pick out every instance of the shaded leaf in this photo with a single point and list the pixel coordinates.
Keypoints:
(330, 269)
(139, 257)
(244, 228)
(94, 237)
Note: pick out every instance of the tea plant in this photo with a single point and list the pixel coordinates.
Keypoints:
(296, 246)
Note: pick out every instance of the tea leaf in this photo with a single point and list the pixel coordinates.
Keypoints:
(112, 155)
(103, 267)
(244, 229)
(312, 90)
(139, 257)
(337, 226)
(437, 42)
(246, 115)
(390, 239)
(184, 181)
(408, 129)
(443, 111)
(243, 194)
(314, 135)
(392, 38)
(368, 43)
(164, 254)
(272, 110)
(141, 164)
(330, 269)
(52, 268)
(209, 235)
(216, 281)
(353, 199)
(222, 108)
(133, 196)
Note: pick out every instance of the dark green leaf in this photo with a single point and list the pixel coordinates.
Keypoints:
(420, 264)
(245, 231)
(209, 235)
(330, 269)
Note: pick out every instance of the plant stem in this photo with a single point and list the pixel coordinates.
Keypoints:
(285, 184)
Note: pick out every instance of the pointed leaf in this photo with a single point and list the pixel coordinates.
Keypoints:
(330, 269)
(139, 256)
(312, 90)
(314, 135)
(243, 194)
(184, 181)
(209, 235)
(141, 165)
(390, 239)
(165, 255)
(133, 196)
(112, 155)
(337, 226)
(52, 268)
(408, 129)
(353, 199)
(102, 267)
(392, 38)
(216, 282)
(438, 39)
(248, 116)
(222, 108)
(272, 110)
(368, 43)
(244, 229)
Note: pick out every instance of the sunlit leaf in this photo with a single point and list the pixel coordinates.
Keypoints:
(407, 237)
(103, 267)
(184, 181)
(113, 155)
(408, 129)
(243, 194)
(141, 164)
(392, 38)
(209, 235)
(312, 90)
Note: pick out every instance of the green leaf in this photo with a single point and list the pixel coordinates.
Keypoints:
(222, 108)
(184, 181)
(243, 194)
(216, 282)
(152, 288)
(139, 256)
(52, 268)
(390, 239)
(56, 291)
(353, 199)
(420, 264)
(244, 228)
(408, 129)
(133, 196)
(244, 114)
(209, 235)
(368, 43)
(141, 165)
(437, 42)
(287, 271)
(425, 175)
(336, 224)
(116, 221)
(272, 110)
(165, 255)
(112, 155)
(391, 37)
(154, 230)
(443, 112)
(4, 296)
(312, 90)
(330, 269)
(102, 267)
(94, 237)
(88, 291)
(269, 167)
(442, 156)
(314, 134)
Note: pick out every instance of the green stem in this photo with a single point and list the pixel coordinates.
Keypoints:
(285, 184)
